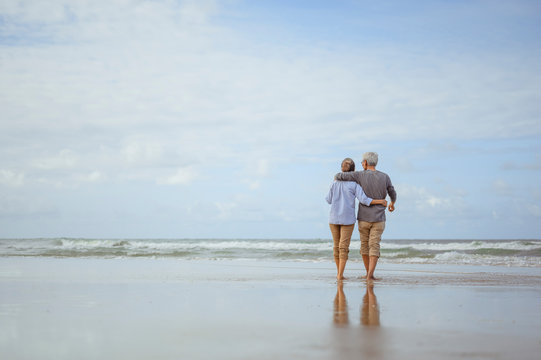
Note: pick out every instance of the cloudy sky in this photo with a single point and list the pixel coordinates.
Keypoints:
(228, 119)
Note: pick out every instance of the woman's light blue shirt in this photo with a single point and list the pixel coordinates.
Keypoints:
(342, 196)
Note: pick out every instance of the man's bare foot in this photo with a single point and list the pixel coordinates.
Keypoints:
(340, 278)
(372, 278)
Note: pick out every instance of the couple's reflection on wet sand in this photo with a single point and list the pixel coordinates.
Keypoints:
(341, 317)
(354, 342)
(369, 307)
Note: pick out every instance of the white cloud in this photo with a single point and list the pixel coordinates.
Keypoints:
(262, 167)
(534, 210)
(520, 165)
(225, 209)
(94, 176)
(183, 176)
(141, 152)
(65, 159)
(256, 170)
(404, 164)
(164, 67)
(501, 187)
(253, 185)
(31, 12)
(17, 205)
(422, 201)
(11, 178)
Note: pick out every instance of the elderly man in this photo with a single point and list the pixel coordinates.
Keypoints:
(377, 185)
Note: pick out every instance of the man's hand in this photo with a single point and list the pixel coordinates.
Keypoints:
(384, 203)
(391, 207)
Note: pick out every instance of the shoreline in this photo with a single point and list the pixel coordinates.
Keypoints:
(277, 270)
(138, 308)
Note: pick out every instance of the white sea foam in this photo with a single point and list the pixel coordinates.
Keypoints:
(193, 245)
(396, 254)
(457, 258)
(473, 245)
(509, 253)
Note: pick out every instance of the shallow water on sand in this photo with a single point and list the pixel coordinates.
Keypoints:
(139, 308)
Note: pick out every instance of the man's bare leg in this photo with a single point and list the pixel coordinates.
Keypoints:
(341, 268)
(372, 267)
(366, 261)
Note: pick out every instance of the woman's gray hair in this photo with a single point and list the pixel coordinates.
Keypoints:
(371, 158)
(350, 162)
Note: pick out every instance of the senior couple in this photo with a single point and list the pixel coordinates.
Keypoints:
(370, 187)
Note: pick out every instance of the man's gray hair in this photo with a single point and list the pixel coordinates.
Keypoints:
(371, 158)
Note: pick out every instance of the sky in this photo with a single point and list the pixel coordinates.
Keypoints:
(229, 119)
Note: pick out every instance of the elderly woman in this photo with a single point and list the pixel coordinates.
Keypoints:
(341, 196)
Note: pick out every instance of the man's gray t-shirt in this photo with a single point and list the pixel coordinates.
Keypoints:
(377, 185)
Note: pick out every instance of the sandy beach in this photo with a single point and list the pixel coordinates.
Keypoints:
(141, 308)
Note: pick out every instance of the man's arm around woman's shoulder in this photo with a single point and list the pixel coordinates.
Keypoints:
(347, 176)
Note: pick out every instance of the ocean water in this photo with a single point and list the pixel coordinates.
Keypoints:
(524, 253)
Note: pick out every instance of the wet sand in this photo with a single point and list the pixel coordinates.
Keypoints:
(140, 308)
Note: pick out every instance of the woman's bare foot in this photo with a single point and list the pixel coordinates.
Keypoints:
(340, 278)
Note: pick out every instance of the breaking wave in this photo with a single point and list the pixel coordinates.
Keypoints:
(474, 252)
